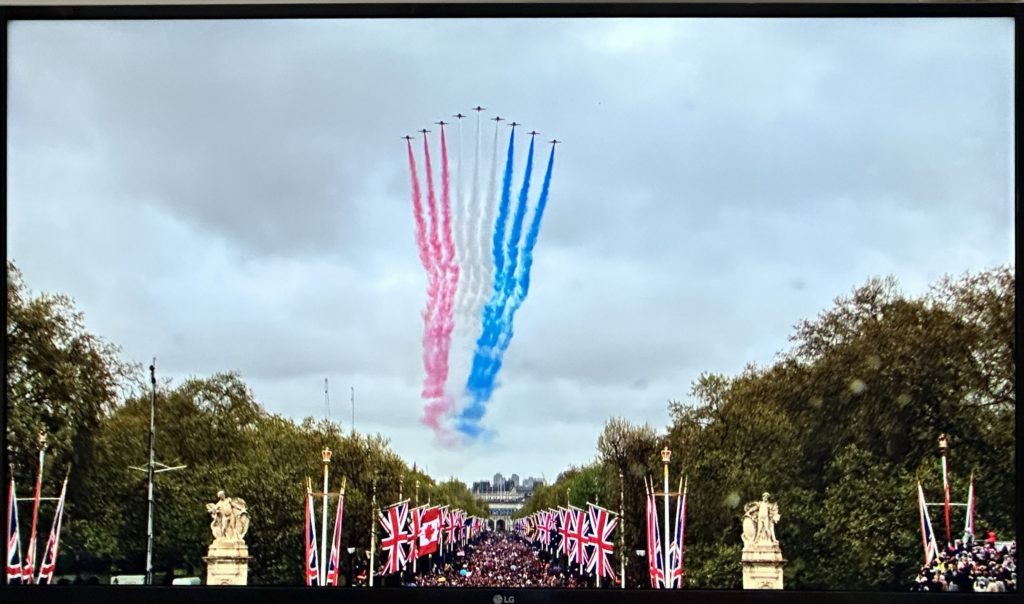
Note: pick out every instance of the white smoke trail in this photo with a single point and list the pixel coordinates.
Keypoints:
(486, 282)
(462, 251)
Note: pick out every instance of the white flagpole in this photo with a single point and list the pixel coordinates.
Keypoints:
(326, 454)
(373, 530)
(665, 456)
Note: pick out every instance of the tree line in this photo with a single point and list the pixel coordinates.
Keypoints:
(839, 428)
(95, 410)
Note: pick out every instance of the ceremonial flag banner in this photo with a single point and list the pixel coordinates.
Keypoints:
(49, 565)
(414, 530)
(675, 567)
(14, 568)
(600, 526)
(429, 531)
(312, 561)
(931, 548)
(334, 564)
(655, 562)
(561, 531)
(396, 538)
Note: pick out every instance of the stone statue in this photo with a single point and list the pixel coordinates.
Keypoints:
(759, 518)
(762, 559)
(230, 518)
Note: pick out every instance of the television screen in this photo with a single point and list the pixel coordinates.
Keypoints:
(528, 305)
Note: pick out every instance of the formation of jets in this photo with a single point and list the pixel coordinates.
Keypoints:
(478, 109)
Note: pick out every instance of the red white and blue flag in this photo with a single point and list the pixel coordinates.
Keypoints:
(676, 550)
(561, 531)
(49, 565)
(655, 562)
(312, 561)
(396, 539)
(600, 526)
(14, 568)
(334, 563)
(931, 548)
(578, 529)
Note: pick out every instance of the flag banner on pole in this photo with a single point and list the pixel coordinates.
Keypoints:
(675, 551)
(655, 561)
(576, 534)
(599, 530)
(415, 514)
(969, 520)
(312, 561)
(561, 531)
(429, 533)
(396, 540)
(49, 565)
(451, 525)
(931, 548)
(14, 567)
(334, 564)
(28, 571)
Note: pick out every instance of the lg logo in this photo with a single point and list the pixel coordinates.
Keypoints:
(500, 599)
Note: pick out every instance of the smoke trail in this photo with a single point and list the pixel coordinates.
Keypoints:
(427, 259)
(469, 420)
(439, 331)
(435, 240)
(485, 279)
(417, 204)
(477, 385)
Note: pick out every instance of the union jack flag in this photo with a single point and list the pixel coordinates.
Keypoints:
(312, 561)
(334, 562)
(49, 565)
(655, 562)
(14, 572)
(415, 518)
(575, 535)
(561, 531)
(396, 538)
(599, 533)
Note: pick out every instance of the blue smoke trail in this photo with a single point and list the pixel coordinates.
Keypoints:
(476, 384)
(515, 290)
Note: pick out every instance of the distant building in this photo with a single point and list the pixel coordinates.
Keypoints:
(481, 486)
(515, 480)
(499, 480)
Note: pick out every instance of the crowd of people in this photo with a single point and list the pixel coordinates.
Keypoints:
(971, 566)
(500, 559)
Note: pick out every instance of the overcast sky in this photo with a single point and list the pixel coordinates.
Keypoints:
(234, 196)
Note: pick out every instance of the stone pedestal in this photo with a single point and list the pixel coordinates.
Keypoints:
(227, 563)
(762, 566)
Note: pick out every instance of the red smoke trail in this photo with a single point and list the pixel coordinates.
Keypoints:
(439, 332)
(426, 257)
(435, 241)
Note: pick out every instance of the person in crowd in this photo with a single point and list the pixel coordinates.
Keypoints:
(971, 566)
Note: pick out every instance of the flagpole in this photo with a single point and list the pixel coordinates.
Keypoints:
(682, 536)
(373, 528)
(666, 455)
(597, 569)
(622, 530)
(326, 456)
(943, 449)
(31, 554)
(416, 537)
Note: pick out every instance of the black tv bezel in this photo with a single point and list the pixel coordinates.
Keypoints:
(443, 10)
